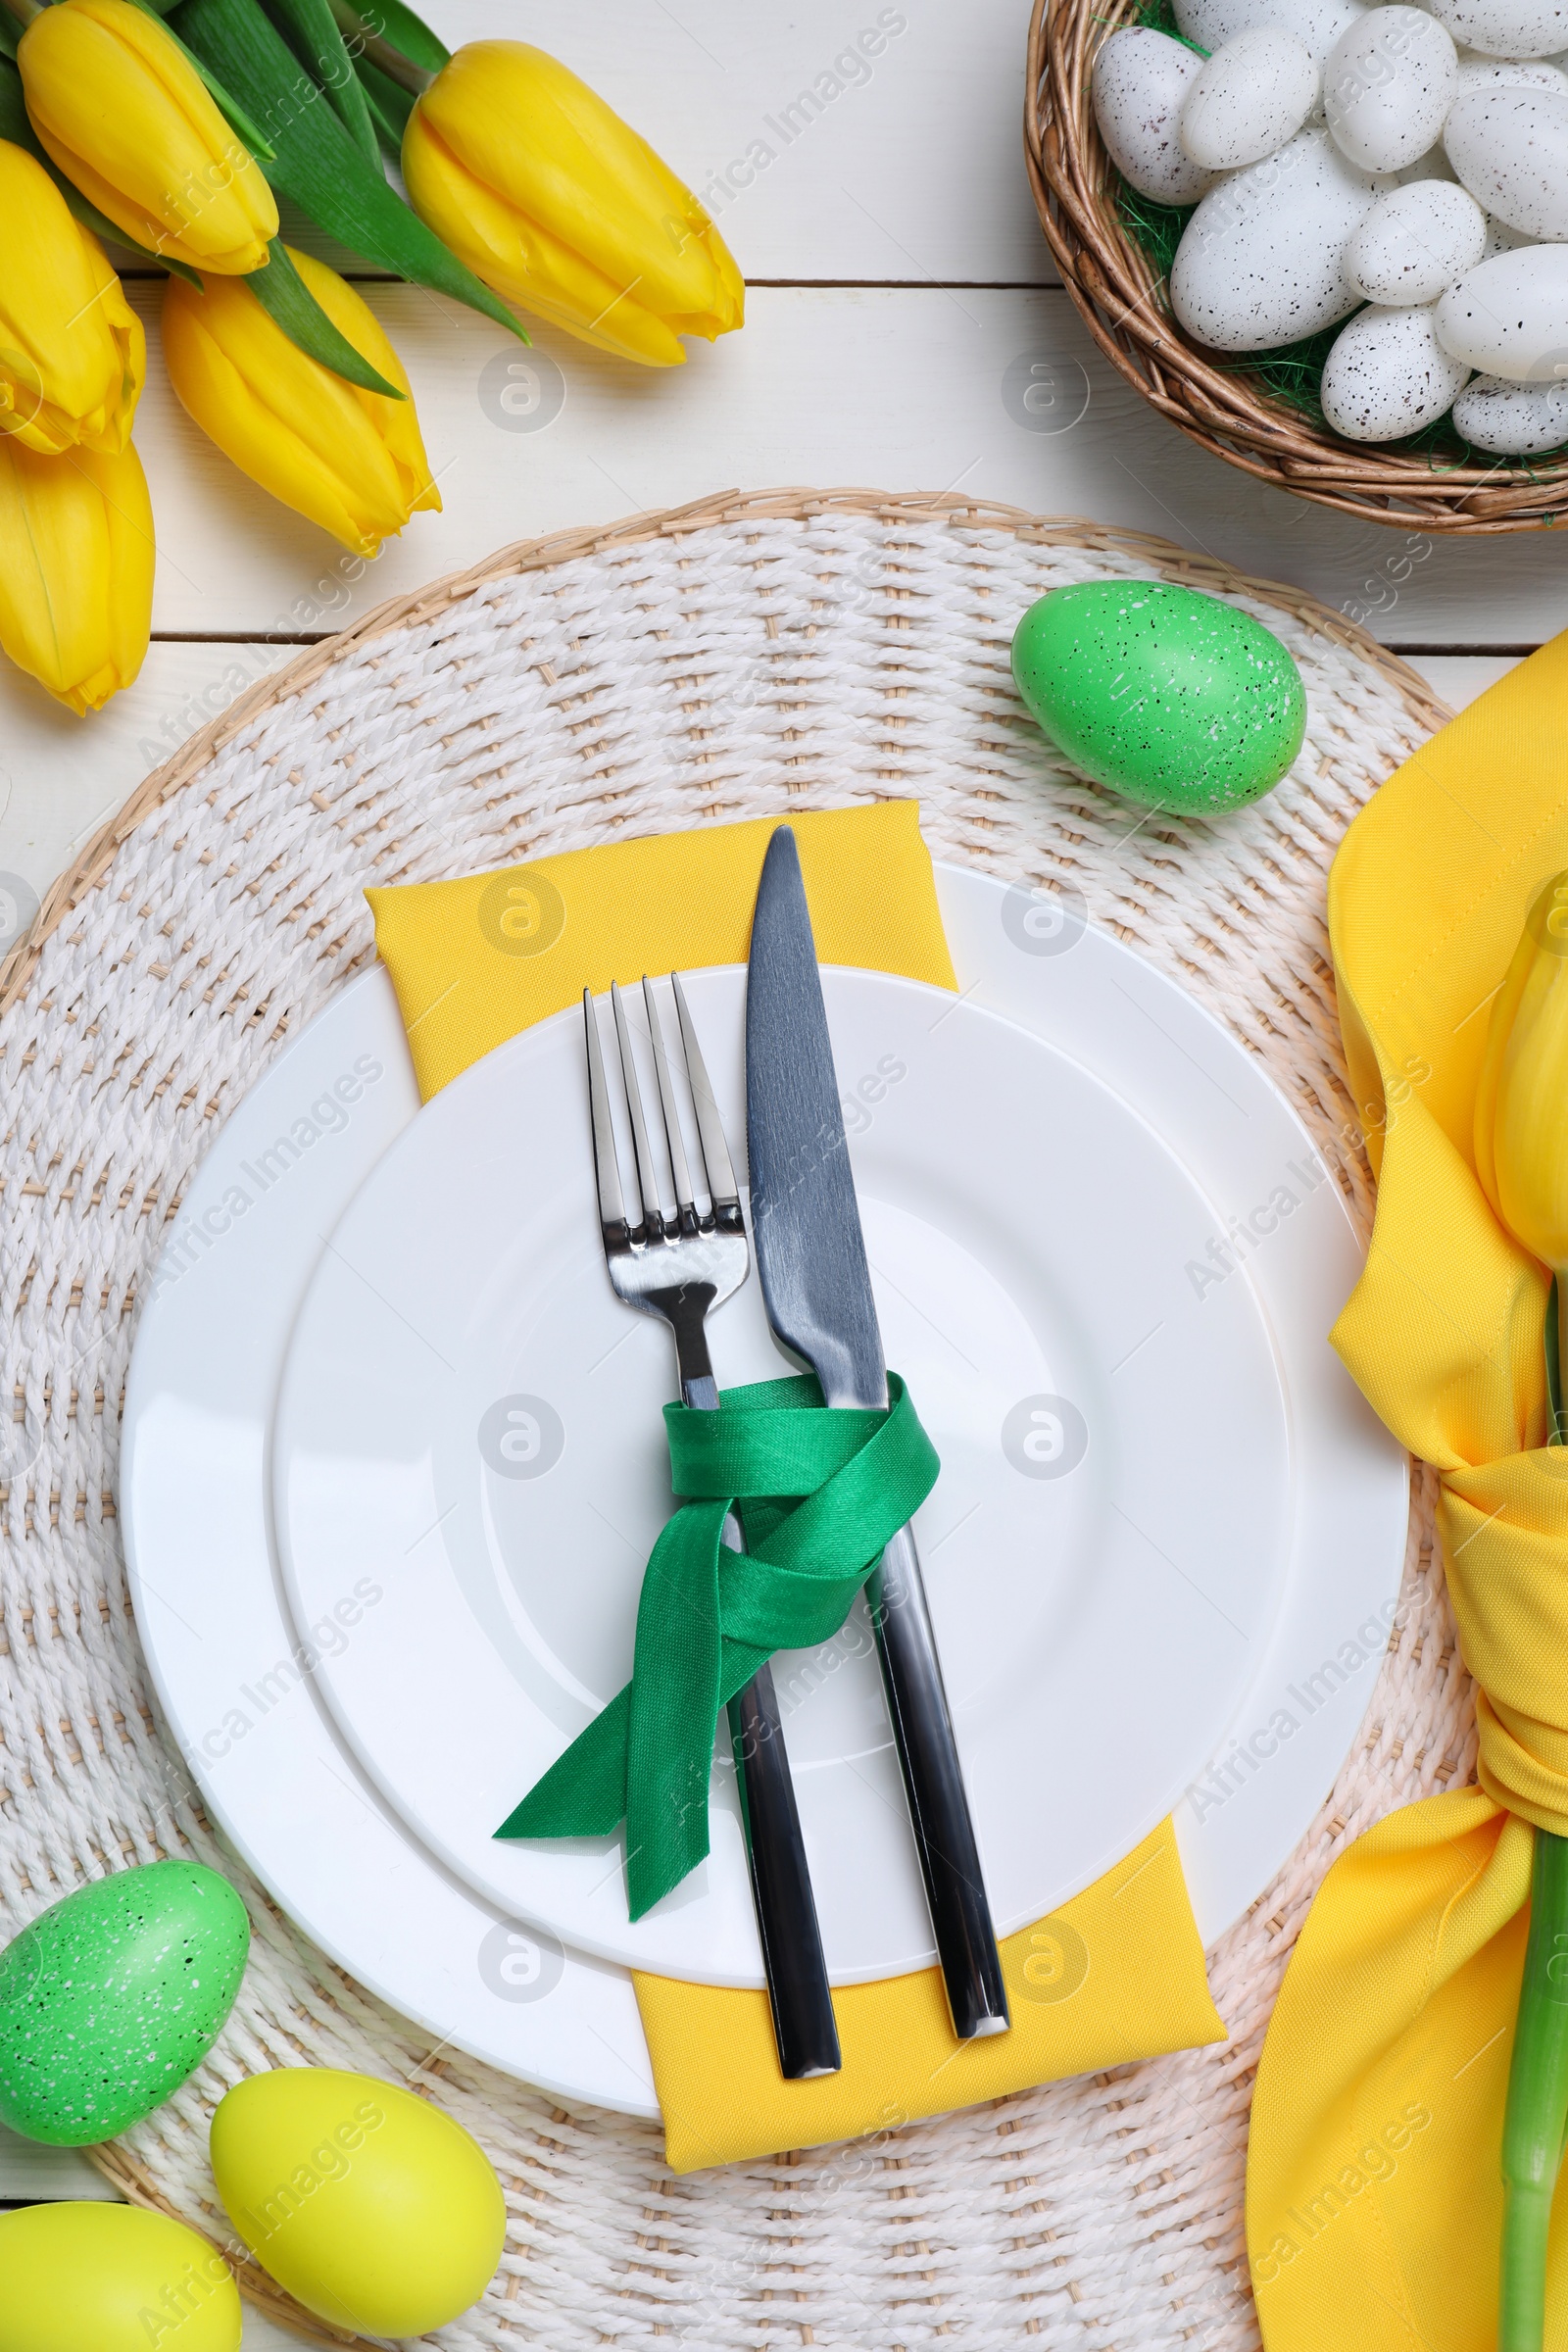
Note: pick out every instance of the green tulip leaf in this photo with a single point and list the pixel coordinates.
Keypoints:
(232, 111)
(10, 33)
(385, 132)
(318, 165)
(311, 31)
(16, 126)
(390, 22)
(14, 123)
(290, 303)
(390, 104)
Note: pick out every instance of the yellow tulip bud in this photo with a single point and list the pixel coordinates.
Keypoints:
(351, 461)
(1521, 1125)
(73, 354)
(557, 204)
(125, 115)
(75, 568)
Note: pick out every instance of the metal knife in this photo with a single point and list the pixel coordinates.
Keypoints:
(811, 1254)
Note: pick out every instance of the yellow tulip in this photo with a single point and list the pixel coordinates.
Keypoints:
(75, 568)
(351, 461)
(557, 204)
(1521, 1126)
(73, 354)
(125, 115)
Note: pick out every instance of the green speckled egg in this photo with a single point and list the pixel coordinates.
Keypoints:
(1163, 693)
(111, 1998)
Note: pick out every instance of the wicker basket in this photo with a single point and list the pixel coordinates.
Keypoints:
(1219, 405)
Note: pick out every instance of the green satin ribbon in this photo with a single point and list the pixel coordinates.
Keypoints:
(820, 1491)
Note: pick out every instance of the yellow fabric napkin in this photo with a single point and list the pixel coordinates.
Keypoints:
(1374, 2196)
(1117, 1974)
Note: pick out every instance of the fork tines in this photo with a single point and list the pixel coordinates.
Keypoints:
(714, 1170)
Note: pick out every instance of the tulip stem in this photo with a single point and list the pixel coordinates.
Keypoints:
(1538, 2103)
(24, 10)
(377, 51)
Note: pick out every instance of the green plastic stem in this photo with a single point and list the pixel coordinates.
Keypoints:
(1537, 2112)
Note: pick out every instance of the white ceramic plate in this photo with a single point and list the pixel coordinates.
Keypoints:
(234, 1679)
(1104, 1550)
(286, 1792)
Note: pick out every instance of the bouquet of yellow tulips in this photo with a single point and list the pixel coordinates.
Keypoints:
(169, 127)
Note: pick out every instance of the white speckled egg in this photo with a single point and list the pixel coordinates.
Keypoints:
(1141, 79)
(1251, 97)
(1510, 150)
(1387, 85)
(1261, 261)
(1388, 375)
(1511, 421)
(1510, 73)
(1509, 315)
(1506, 27)
(1415, 243)
(1317, 22)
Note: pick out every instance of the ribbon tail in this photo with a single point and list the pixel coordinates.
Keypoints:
(821, 1493)
(583, 1794)
(674, 1705)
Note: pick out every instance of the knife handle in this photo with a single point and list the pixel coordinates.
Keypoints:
(933, 1782)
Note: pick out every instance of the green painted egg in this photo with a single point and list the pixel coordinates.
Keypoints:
(111, 1998)
(1163, 693)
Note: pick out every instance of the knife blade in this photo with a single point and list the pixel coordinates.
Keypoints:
(817, 1285)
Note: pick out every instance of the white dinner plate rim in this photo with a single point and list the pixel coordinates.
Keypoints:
(416, 1734)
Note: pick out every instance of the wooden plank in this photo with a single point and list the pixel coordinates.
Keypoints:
(31, 2175)
(61, 777)
(1002, 394)
(1460, 678)
(837, 139)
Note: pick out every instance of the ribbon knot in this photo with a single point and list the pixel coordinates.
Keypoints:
(819, 1493)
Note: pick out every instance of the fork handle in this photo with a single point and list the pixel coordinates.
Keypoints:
(805, 2029)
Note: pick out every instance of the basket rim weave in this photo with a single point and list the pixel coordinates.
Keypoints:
(1123, 304)
(413, 606)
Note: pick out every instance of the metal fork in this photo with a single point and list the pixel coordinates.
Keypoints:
(678, 1269)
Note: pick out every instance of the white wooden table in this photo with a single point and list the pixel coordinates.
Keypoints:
(900, 290)
(900, 294)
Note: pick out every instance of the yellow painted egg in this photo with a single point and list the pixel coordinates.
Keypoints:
(373, 2208)
(112, 2279)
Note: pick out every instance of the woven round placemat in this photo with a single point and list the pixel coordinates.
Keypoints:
(746, 657)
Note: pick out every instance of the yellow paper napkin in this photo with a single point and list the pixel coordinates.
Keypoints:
(1117, 1974)
(1374, 2196)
